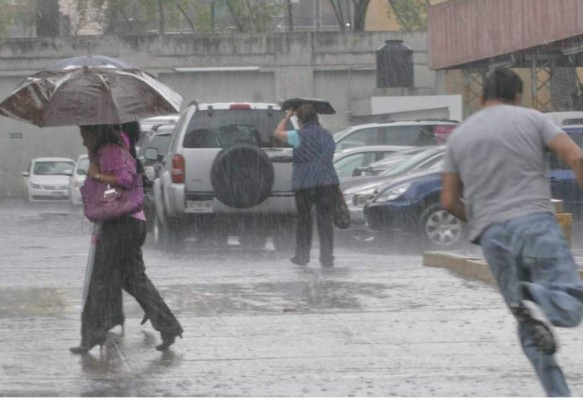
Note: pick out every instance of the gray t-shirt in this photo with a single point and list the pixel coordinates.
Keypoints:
(500, 155)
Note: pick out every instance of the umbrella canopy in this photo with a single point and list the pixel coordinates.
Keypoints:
(321, 106)
(89, 61)
(89, 90)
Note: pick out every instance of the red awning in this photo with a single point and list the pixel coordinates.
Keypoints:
(469, 33)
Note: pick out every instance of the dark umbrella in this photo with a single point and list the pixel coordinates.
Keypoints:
(321, 106)
(87, 91)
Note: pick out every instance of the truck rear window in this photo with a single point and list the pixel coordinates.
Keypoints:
(225, 128)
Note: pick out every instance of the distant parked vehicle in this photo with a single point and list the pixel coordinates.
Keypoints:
(47, 179)
(398, 133)
(410, 206)
(346, 162)
(147, 124)
(151, 153)
(77, 179)
(566, 118)
(398, 164)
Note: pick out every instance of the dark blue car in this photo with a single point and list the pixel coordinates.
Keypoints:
(411, 204)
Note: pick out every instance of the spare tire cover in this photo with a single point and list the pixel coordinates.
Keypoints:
(242, 176)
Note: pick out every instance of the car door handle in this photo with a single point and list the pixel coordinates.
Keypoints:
(282, 159)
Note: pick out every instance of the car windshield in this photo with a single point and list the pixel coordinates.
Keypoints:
(224, 128)
(53, 168)
(408, 163)
(390, 160)
(82, 166)
(160, 142)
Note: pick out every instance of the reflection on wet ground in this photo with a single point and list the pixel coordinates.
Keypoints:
(376, 324)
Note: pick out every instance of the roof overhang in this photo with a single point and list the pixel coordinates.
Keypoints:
(467, 34)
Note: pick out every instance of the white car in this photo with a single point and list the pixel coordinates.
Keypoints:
(77, 179)
(47, 179)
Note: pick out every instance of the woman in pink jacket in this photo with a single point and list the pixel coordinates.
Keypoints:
(118, 256)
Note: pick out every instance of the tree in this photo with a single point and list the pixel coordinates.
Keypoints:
(47, 18)
(411, 14)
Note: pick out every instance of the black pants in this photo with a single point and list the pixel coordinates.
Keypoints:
(119, 265)
(323, 198)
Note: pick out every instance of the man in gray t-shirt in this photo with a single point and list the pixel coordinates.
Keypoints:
(495, 177)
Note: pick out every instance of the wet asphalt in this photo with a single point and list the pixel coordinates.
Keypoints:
(377, 324)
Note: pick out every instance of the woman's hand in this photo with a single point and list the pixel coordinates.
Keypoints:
(93, 171)
(289, 113)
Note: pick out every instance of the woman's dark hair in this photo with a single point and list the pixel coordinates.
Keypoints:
(503, 84)
(104, 134)
(306, 113)
(132, 131)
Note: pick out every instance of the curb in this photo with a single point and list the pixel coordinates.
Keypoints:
(469, 267)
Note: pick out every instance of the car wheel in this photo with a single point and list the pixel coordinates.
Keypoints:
(242, 176)
(440, 229)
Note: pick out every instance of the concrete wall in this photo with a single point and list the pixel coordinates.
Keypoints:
(339, 67)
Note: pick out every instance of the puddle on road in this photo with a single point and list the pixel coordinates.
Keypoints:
(205, 300)
(32, 302)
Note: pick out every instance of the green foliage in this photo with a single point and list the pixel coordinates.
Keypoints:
(5, 18)
(19, 13)
(411, 14)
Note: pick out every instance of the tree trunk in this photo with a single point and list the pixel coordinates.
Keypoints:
(47, 18)
(360, 8)
(188, 19)
(290, 16)
(161, 14)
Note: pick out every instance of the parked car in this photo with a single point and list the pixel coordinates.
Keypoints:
(47, 179)
(404, 162)
(158, 139)
(147, 124)
(410, 206)
(225, 174)
(563, 183)
(151, 153)
(398, 133)
(347, 162)
(566, 118)
(77, 179)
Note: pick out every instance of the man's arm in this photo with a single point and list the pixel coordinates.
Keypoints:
(280, 132)
(451, 195)
(569, 152)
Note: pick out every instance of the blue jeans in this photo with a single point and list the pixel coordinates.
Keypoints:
(531, 259)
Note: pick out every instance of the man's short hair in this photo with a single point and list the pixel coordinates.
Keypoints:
(306, 113)
(502, 84)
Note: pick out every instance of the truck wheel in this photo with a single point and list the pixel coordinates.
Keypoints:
(242, 176)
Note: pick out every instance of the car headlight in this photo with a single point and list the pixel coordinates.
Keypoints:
(392, 193)
(35, 186)
(361, 198)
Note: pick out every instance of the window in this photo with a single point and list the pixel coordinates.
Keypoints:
(53, 168)
(83, 166)
(346, 166)
(408, 135)
(361, 137)
(224, 128)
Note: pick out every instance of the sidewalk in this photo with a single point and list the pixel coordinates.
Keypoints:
(376, 325)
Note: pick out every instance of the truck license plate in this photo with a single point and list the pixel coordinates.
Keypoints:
(199, 206)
